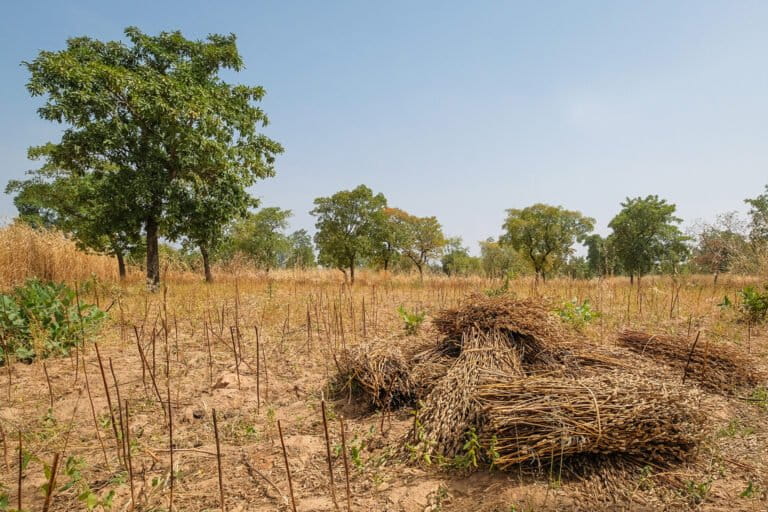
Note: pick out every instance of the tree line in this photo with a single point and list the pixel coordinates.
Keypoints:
(157, 146)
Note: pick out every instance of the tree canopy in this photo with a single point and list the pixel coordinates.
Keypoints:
(645, 234)
(545, 234)
(349, 224)
(154, 116)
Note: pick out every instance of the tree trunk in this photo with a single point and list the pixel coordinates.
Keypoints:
(421, 271)
(153, 254)
(352, 271)
(631, 279)
(206, 264)
(120, 265)
(716, 275)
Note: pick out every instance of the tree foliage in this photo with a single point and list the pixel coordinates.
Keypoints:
(155, 117)
(456, 260)
(261, 237)
(545, 234)
(420, 239)
(349, 226)
(645, 235)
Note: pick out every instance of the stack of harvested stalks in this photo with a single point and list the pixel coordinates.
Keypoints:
(508, 370)
(450, 409)
(718, 368)
(387, 378)
(546, 418)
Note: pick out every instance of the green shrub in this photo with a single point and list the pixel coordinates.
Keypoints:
(412, 320)
(41, 319)
(577, 314)
(754, 304)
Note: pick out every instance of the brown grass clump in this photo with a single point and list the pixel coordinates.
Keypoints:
(546, 418)
(719, 369)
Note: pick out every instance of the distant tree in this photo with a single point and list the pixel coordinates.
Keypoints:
(261, 237)
(421, 238)
(545, 234)
(389, 238)
(201, 213)
(758, 213)
(500, 260)
(456, 260)
(74, 204)
(348, 226)
(719, 245)
(301, 253)
(155, 114)
(576, 267)
(601, 256)
(645, 234)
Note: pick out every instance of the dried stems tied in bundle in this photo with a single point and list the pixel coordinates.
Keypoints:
(719, 368)
(546, 418)
(450, 410)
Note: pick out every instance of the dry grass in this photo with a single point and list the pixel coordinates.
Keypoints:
(48, 255)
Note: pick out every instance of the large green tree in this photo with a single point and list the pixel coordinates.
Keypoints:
(301, 252)
(349, 224)
(456, 260)
(154, 113)
(545, 234)
(645, 235)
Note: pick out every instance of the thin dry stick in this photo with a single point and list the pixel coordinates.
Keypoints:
(51, 482)
(346, 463)
(128, 454)
(328, 454)
(170, 443)
(237, 358)
(152, 378)
(93, 414)
(218, 461)
(285, 458)
(21, 465)
(119, 408)
(48, 380)
(258, 372)
(5, 449)
(690, 355)
(109, 401)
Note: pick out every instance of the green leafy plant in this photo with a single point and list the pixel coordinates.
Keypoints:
(577, 314)
(754, 303)
(412, 320)
(41, 319)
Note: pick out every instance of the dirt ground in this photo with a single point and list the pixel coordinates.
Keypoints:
(186, 336)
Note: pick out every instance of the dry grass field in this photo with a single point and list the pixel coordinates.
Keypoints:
(130, 415)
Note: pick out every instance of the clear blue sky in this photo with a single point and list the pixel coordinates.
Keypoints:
(464, 109)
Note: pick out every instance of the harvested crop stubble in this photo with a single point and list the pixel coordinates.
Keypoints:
(450, 410)
(717, 368)
(545, 418)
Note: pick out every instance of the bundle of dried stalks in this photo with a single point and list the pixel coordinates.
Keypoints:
(547, 418)
(528, 323)
(450, 409)
(717, 368)
(381, 373)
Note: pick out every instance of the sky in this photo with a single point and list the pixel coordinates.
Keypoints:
(462, 109)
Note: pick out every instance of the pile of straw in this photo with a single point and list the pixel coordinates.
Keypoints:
(717, 368)
(543, 419)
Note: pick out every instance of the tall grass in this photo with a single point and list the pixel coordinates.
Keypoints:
(26, 252)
